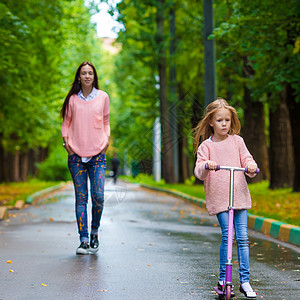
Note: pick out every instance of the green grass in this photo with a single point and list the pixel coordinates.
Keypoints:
(11, 192)
(281, 204)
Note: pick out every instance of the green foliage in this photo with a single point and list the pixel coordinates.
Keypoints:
(135, 72)
(44, 42)
(55, 167)
(11, 192)
(265, 33)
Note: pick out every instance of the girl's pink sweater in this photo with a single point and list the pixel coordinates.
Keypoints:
(230, 152)
(86, 125)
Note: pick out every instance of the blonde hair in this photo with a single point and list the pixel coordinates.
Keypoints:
(203, 130)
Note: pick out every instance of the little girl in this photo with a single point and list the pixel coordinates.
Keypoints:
(222, 145)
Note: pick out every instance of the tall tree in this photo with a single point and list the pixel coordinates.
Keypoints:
(36, 59)
(167, 161)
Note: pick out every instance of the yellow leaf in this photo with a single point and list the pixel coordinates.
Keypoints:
(43, 284)
(51, 219)
(297, 45)
(11, 271)
(9, 261)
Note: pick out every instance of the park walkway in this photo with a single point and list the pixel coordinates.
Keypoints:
(153, 246)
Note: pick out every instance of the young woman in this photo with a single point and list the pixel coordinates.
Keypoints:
(85, 132)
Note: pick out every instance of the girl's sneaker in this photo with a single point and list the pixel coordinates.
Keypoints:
(83, 248)
(221, 288)
(247, 290)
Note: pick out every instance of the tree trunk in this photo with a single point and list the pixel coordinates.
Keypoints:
(294, 111)
(254, 127)
(281, 150)
(197, 110)
(254, 135)
(183, 127)
(24, 166)
(184, 172)
(173, 94)
(167, 160)
(15, 166)
(34, 157)
(2, 177)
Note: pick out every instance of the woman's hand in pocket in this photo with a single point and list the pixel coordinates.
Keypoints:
(105, 148)
(69, 149)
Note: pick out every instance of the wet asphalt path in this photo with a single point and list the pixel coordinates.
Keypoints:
(153, 246)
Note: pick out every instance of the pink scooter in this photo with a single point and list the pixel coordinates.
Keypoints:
(228, 277)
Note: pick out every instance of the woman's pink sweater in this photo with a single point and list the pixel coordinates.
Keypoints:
(230, 152)
(86, 125)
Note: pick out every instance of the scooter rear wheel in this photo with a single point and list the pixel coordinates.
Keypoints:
(228, 292)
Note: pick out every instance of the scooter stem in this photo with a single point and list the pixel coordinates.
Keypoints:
(228, 278)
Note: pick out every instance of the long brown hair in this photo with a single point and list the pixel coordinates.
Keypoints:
(203, 130)
(76, 86)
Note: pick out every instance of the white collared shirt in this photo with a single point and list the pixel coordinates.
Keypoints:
(93, 94)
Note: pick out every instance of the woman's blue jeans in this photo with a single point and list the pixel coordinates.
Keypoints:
(95, 170)
(241, 235)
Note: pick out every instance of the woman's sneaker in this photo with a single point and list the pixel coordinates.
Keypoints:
(83, 248)
(94, 243)
(247, 290)
(221, 288)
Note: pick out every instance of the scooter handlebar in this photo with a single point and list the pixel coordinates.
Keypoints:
(257, 170)
(207, 168)
(228, 168)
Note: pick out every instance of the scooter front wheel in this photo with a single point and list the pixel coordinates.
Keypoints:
(228, 292)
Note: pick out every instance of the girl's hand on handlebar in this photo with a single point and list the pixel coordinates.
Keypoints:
(252, 168)
(212, 165)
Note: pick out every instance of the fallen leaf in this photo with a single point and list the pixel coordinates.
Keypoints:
(9, 261)
(51, 219)
(283, 270)
(43, 284)
(102, 290)
(148, 265)
(11, 271)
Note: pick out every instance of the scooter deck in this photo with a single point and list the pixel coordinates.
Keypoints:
(221, 294)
